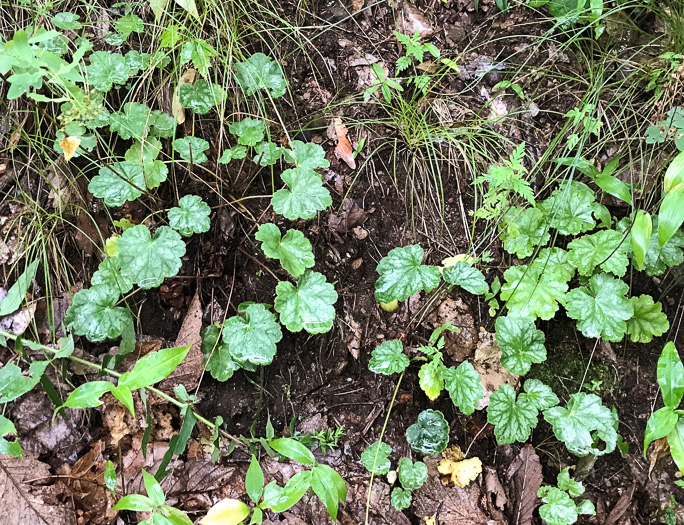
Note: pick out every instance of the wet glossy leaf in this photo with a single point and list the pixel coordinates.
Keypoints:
(402, 274)
(191, 149)
(463, 385)
(261, 72)
(671, 376)
(253, 337)
(308, 305)
(648, 320)
(523, 230)
(106, 69)
(412, 475)
(513, 419)
(606, 249)
(132, 122)
(430, 434)
(520, 342)
(118, 183)
(401, 498)
(249, 131)
(388, 358)
(93, 313)
(464, 275)
(570, 208)
(200, 96)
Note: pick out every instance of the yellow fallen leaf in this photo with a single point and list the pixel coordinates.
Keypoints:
(177, 110)
(226, 512)
(461, 472)
(390, 307)
(431, 520)
(69, 146)
(451, 261)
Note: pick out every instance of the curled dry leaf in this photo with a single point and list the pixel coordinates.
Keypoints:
(461, 472)
(343, 149)
(69, 146)
(177, 110)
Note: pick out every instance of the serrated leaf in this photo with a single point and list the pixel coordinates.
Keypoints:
(106, 69)
(606, 248)
(540, 394)
(648, 320)
(191, 149)
(429, 434)
(601, 308)
(146, 260)
(129, 24)
(513, 419)
(463, 385)
(431, 376)
(118, 183)
(293, 250)
(133, 122)
(402, 274)
(93, 313)
(523, 230)
(537, 290)
(307, 155)
(191, 216)
(583, 416)
(304, 196)
(558, 508)
(14, 384)
(401, 498)
(569, 485)
(145, 154)
(249, 131)
(267, 153)
(520, 342)
(382, 463)
(200, 96)
(570, 208)
(108, 274)
(236, 152)
(154, 367)
(13, 447)
(388, 358)
(253, 337)
(464, 275)
(412, 475)
(308, 305)
(260, 72)
(163, 124)
(670, 373)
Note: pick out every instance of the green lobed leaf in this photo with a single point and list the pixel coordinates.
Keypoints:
(464, 387)
(388, 358)
(201, 96)
(129, 24)
(575, 424)
(260, 72)
(191, 149)
(145, 155)
(10, 447)
(218, 360)
(401, 498)
(133, 122)
(199, 53)
(304, 196)
(402, 274)
(429, 434)
(307, 306)
(14, 384)
(648, 320)
(540, 394)
(293, 250)
(118, 183)
(606, 248)
(191, 216)
(382, 463)
(146, 260)
(523, 230)
(253, 337)
(67, 21)
(670, 374)
(154, 367)
(570, 208)
(106, 69)
(464, 275)
(520, 342)
(108, 274)
(569, 485)
(513, 419)
(93, 313)
(601, 308)
(307, 155)
(412, 475)
(267, 153)
(236, 152)
(249, 131)
(658, 259)
(558, 508)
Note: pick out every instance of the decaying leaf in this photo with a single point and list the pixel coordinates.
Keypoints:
(659, 450)
(177, 110)
(525, 475)
(462, 472)
(343, 149)
(69, 146)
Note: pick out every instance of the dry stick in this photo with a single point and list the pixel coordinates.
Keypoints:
(108, 371)
(377, 448)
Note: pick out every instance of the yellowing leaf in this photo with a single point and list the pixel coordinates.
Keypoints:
(451, 261)
(390, 307)
(431, 520)
(69, 145)
(226, 512)
(461, 472)
(111, 249)
(176, 109)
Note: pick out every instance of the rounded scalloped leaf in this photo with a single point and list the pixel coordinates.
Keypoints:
(308, 305)
(94, 314)
(253, 337)
(388, 358)
(191, 216)
(429, 434)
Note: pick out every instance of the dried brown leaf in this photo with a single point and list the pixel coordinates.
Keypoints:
(524, 475)
(343, 149)
(176, 109)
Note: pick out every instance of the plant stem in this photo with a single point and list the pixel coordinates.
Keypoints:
(113, 373)
(377, 449)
